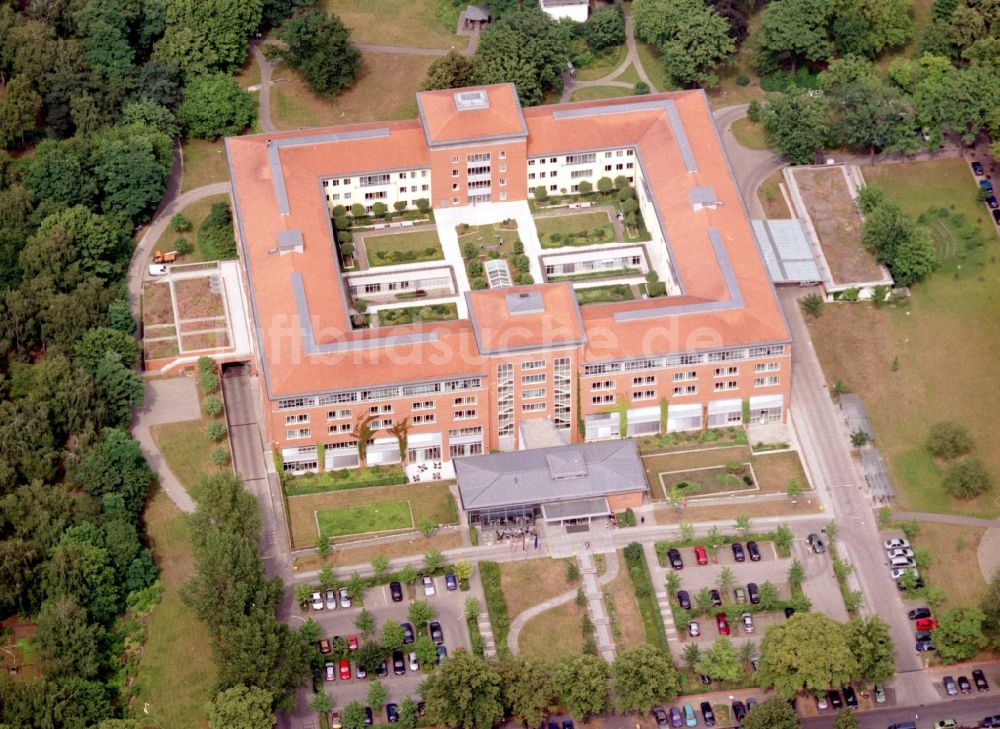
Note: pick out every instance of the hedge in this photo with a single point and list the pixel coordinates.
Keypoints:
(345, 479)
(645, 596)
(489, 572)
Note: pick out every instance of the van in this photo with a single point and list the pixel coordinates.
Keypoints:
(157, 269)
(904, 725)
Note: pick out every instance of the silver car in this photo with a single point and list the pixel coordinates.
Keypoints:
(900, 552)
(317, 601)
(345, 598)
(747, 622)
(331, 599)
(428, 582)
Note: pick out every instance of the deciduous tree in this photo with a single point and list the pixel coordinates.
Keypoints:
(464, 692)
(241, 707)
(959, 635)
(453, 71)
(581, 681)
(214, 105)
(871, 644)
(775, 713)
(720, 661)
(807, 651)
(319, 46)
(527, 688)
(643, 676)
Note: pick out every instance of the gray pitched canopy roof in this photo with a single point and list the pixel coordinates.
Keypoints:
(550, 474)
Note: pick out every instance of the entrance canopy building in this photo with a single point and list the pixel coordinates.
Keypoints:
(562, 484)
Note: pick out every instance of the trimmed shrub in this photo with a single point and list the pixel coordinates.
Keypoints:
(489, 573)
(212, 406)
(215, 431)
(949, 440)
(219, 456)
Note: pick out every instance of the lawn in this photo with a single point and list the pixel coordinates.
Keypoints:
(175, 675)
(749, 134)
(944, 340)
(589, 93)
(954, 570)
(347, 555)
(771, 199)
(196, 214)
(575, 230)
(754, 509)
(603, 63)
(249, 75)
(426, 502)
(185, 447)
(703, 481)
(411, 314)
(385, 89)
(381, 517)
(626, 622)
(599, 294)
(630, 75)
(395, 23)
(772, 471)
(553, 634)
(531, 582)
(204, 163)
(649, 57)
(393, 249)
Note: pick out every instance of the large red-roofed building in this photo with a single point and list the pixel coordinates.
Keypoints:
(713, 351)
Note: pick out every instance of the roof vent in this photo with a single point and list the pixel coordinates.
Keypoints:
(702, 197)
(527, 303)
(289, 241)
(471, 100)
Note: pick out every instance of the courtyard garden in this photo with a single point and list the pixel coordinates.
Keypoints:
(919, 361)
(581, 229)
(499, 241)
(604, 294)
(363, 519)
(617, 193)
(393, 249)
(417, 314)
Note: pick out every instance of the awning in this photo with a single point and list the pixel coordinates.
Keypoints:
(575, 509)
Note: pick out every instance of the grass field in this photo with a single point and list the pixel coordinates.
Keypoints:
(386, 89)
(630, 75)
(381, 517)
(711, 480)
(566, 225)
(954, 570)
(749, 134)
(589, 93)
(651, 63)
(627, 628)
(543, 578)
(176, 673)
(771, 199)
(773, 471)
(185, 447)
(760, 509)
(395, 23)
(416, 246)
(603, 64)
(599, 294)
(196, 213)
(347, 555)
(204, 163)
(553, 634)
(426, 501)
(946, 339)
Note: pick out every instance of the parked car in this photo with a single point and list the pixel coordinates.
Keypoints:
(738, 554)
(707, 714)
(328, 671)
(352, 642)
(739, 710)
(676, 720)
(345, 670)
(684, 599)
(963, 685)
(751, 702)
(331, 599)
(918, 613)
(924, 645)
(396, 590)
(398, 665)
(345, 598)
(747, 619)
(705, 680)
(317, 601)
(408, 635)
(383, 670)
(674, 557)
(442, 654)
(661, 716)
(333, 718)
(816, 544)
(850, 697)
(689, 719)
(992, 721)
(900, 552)
(902, 562)
(450, 581)
(926, 624)
(897, 543)
(722, 623)
(898, 572)
(821, 702)
(789, 612)
(977, 169)
(739, 595)
(412, 662)
(436, 635)
(324, 645)
(834, 698)
(946, 724)
(700, 555)
(986, 185)
(369, 719)
(924, 635)
(996, 216)
(716, 598)
(428, 582)
(360, 671)
(979, 678)
(754, 551)
(392, 713)
(754, 593)
(567, 724)
(917, 585)
(694, 630)
(991, 202)
(879, 693)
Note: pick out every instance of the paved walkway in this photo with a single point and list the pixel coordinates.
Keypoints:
(750, 166)
(264, 98)
(403, 51)
(167, 401)
(570, 84)
(945, 519)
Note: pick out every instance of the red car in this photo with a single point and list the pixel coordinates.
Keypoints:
(722, 623)
(700, 555)
(927, 624)
(352, 642)
(345, 670)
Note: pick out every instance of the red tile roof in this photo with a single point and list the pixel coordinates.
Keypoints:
(444, 122)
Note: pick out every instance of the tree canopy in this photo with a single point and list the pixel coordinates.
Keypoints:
(464, 692)
(692, 37)
(214, 105)
(807, 651)
(318, 46)
(643, 676)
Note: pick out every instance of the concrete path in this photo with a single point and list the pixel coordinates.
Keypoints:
(750, 166)
(264, 98)
(570, 84)
(167, 401)
(401, 50)
(945, 519)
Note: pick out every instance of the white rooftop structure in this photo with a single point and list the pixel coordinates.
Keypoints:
(787, 254)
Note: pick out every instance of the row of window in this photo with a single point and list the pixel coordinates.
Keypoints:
(682, 390)
(381, 393)
(369, 180)
(679, 360)
(685, 376)
(582, 159)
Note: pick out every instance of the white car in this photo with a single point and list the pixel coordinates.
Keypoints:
(428, 582)
(898, 543)
(345, 598)
(694, 630)
(412, 660)
(157, 269)
(900, 552)
(331, 599)
(317, 601)
(747, 622)
(898, 572)
(902, 562)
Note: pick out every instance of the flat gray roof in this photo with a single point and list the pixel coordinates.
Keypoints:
(786, 251)
(576, 509)
(547, 475)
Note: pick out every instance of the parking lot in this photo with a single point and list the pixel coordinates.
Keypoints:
(450, 607)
